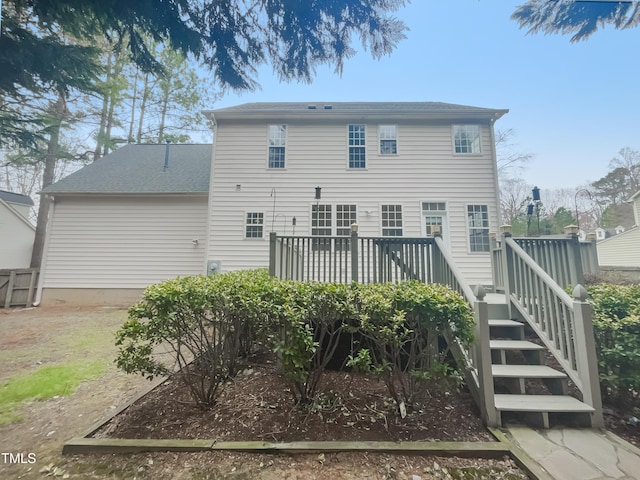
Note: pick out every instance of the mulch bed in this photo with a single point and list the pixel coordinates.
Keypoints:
(258, 405)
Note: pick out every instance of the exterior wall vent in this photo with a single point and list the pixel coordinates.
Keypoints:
(311, 107)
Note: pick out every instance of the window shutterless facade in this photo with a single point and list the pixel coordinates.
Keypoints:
(478, 224)
(466, 138)
(345, 216)
(434, 217)
(388, 139)
(254, 225)
(277, 145)
(357, 146)
(391, 220)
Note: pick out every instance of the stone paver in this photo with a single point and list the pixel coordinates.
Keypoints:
(579, 454)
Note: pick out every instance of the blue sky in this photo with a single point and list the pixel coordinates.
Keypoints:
(573, 106)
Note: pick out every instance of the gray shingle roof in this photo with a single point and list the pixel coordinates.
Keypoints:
(394, 108)
(140, 169)
(11, 197)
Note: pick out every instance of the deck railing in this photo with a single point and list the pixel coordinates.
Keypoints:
(566, 260)
(563, 323)
(476, 360)
(352, 258)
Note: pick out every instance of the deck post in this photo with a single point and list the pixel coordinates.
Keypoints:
(272, 253)
(508, 277)
(587, 361)
(483, 358)
(575, 256)
(354, 252)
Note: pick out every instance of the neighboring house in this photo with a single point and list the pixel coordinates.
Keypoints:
(16, 231)
(395, 169)
(124, 222)
(623, 249)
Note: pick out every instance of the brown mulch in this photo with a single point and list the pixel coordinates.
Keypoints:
(258, 406)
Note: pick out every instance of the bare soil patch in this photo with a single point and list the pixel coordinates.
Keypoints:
(257, 405)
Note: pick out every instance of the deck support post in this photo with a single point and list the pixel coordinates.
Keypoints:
(508, 276)
(587, 361)
(272, 253)
(354, 252)
(483, 359)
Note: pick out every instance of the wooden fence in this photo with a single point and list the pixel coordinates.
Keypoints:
(18, 287)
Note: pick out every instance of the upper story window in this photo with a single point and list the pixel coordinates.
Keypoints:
(254, 225)
(478, 223)
(357, 149)
(277, 145)
(388, 140)
(391, 220)
(466, 138)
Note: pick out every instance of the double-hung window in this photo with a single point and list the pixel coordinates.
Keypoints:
(478, 224)
(254, 225)
(388, 140)
(277, 145)
(357, 148)
(321, 226)
(466, 138)
(391, 220)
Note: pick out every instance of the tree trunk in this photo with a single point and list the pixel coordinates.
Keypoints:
(143, 106)
(104, 112)
(58, 112)
(133, 107)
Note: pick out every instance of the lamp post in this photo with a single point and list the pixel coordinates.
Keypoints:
(575, 200)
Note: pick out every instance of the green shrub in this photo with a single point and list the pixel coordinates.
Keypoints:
(616, 324)
(402, 324)
(210, 323)
(206, 328)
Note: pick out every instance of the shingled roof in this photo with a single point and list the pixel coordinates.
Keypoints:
(18, 198)
(140, 169)
(404, 109)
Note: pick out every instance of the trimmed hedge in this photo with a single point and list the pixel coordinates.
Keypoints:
(218, 320)
(616, 323)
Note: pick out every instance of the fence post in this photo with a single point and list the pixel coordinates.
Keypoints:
(586, 354)
(575, 260)
(438, 274)
(483, 358)
(354, 252)
(272, 253)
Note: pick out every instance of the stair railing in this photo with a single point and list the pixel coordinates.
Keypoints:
(564, 324)
(475, 361)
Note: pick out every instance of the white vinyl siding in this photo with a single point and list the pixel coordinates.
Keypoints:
(621, 250)
(124, 242)
(16, 238)
(424, 169)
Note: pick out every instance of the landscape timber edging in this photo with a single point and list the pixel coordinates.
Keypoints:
(503, 445)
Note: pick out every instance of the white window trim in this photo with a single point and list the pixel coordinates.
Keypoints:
(453, 139)
(380, 140)
(446, 235)
(245, 225)
(286, 147)
(366, 153)
(468, 228)
(381, 227)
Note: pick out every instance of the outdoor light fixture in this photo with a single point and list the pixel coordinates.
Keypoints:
(318, 193)
(536, 194)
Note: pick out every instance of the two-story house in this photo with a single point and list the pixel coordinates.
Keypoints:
(395, 169)
(148, 212)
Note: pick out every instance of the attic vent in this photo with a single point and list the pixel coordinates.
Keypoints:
(328, 107)
(311, 107)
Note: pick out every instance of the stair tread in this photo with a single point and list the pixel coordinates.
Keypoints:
(514, 345)
(540, 403)
(526, 371)
(503, 322)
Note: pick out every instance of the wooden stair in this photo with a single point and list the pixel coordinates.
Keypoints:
(519, 366)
